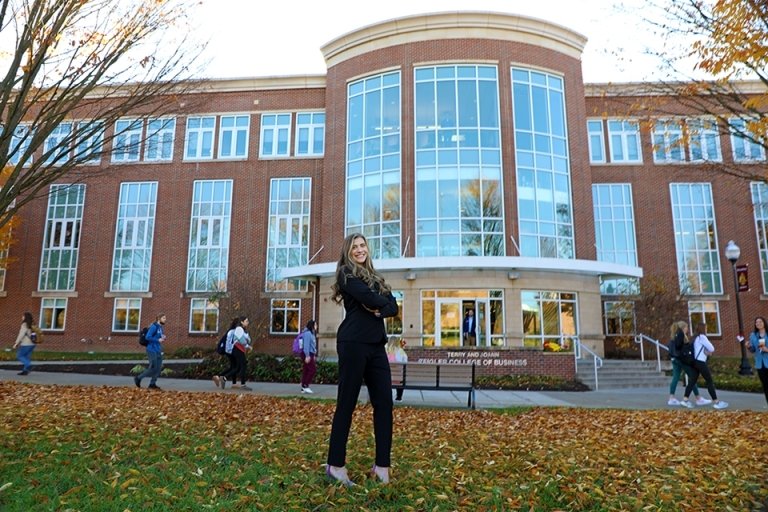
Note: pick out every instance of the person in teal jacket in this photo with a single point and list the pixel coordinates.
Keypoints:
(156, 337)
(757, 345)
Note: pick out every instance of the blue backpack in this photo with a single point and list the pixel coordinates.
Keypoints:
(298, 342)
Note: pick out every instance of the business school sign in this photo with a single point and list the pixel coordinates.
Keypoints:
(481, 359)
(499, 362)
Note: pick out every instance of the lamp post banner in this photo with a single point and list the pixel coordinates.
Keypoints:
(742, 278)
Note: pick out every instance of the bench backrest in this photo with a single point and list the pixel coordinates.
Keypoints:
(433, 374)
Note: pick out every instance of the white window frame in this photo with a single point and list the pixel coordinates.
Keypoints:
(615, 309)
(20, 141)
(126, 144)
(134, 232)
(229, 151)
(627, 133)
(701, 130)
(127, 305)
(738, 126)
(287, 306)
(53, 304)
(199, 133)
(209, 230)
(205, 307)
(596, 140)
(88, 151)
(278, 126)
(161, 133)
(56, 240)
(59, 153)
(312, 128)
(667, 137)
(704, 308)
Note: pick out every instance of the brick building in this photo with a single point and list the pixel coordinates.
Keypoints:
(486, 175)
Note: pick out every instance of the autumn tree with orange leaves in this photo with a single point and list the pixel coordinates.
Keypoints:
(70, 70)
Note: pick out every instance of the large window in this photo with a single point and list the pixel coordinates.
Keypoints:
(698, 262)
(543, 167)
(132, 257)
(619, 318)
(285, 315)
(615, 233)
(373, 162)
(668, 144)
(549, 320)
(233, 136)
(624, 141)
(160, 136)
(62, 237)
(310, 134)
(746, 144)
(198, 144)
(275, 135)
(288, 239)
(459, 199)
(596, 141)
(208, 259)
(90, 142)
(203, 316)
(126, 315)
(127, 142)
(53, 314)
(704, 140)
(56, 150)
(760, 207)
(707, 312)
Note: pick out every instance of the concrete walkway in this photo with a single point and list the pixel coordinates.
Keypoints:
(632, 398)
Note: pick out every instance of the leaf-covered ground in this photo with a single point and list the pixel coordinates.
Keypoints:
(120, 449)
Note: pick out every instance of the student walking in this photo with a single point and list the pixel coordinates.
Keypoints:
(155, 338)
(24, 343)
(679, 336)
(360, 343)
(702, 349)
(238, 345)
(757, 345)
(309, 356)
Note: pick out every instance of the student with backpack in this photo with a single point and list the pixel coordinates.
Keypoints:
(238, 344)
(678, 334)
(702, 349)
(155, 338)
(308, 357)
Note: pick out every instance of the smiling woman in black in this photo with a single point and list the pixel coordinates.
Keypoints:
(360, 344)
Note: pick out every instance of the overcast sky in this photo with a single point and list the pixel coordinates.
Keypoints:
(250, 38)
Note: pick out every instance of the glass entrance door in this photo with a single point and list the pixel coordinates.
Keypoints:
(448, 330)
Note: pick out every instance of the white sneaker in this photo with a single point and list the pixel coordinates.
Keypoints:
(673, 401)
(307, 391)
(720, 405)
(686, 403)
(703, 401)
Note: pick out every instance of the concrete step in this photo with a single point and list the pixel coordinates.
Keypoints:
(622, 374)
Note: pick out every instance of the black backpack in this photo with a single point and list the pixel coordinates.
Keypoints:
(221, 346)
(686, 354)
(143, 341)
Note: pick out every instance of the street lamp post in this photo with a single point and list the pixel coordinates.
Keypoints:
(732, 253)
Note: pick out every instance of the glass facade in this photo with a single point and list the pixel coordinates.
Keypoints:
(459, 199)
(549, 320)
(208, 260)
(615, 233)
(698, 263)
(132, 256)
(543, 167)
(374, 162)
(760, 207)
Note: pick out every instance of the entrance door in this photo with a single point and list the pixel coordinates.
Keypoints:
(448, 330)
(483, 323)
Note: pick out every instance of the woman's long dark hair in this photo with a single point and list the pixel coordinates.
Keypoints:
(28, 319)
(366, 272)
(765, 324)
(238, 322)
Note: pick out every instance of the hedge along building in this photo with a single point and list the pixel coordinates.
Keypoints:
(467, 149)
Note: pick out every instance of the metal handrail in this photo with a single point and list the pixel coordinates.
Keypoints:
(597, 360)
(640, 338)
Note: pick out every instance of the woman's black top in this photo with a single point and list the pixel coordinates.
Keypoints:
(359, 324)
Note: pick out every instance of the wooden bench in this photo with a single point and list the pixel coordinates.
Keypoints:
(435, 377)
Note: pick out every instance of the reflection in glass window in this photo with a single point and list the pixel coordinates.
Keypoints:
(698, 262)
(275, 135)
(615, 233)
(707, 312)
(619, 318)
(160, 136)
(126, 145)
(760, 207)
(596, 141)
(203, 316)
(20, 142)
(668, 144)
(543, 166)
(373, 162)
(233, 136)
(624, 141)
(549, 320)
(53, 314)
(61, 245)
(89, 142)
(746, 144)
(126, 315)
(310, 134)
(198, 144)
(288, 237)
(704, 140)
(56, 150)
(394, 324)
(285, 316)
(132, 256)
(459, 199)
(208, 260)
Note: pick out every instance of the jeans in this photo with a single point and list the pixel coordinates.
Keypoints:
(677, 369)
(24, 355)
(155, 364)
